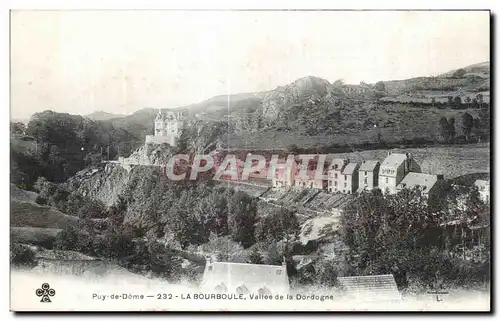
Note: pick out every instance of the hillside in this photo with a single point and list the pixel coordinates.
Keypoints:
(222, 105)
(21, 195)
(101, 115)
(24, 214)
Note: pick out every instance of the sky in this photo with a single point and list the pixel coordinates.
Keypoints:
(79, 62)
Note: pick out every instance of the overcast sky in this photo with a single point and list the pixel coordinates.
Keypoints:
(122, 61)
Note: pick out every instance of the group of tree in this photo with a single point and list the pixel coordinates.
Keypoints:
(406, 235)
(478, 127)
(65, 144)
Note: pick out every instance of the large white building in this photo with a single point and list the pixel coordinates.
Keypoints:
(393, 169)
(167, 128)
(244, 278)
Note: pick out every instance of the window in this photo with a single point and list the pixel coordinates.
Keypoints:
(278, 272)
(345, 177)
(336, 176)
(366, 173)
(221, 288)
(387, 180)
(242, 290)
(210, 268)
(264, 291)
(335, 183)
(345, 184)
(366, 181)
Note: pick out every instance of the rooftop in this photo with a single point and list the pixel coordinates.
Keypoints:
(338, 163)
(371, 287)
(481, 182)
(369, 165)
(350, 168)
(394, 160)
(424, 181)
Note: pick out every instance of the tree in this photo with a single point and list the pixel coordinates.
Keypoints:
(293, 149)
(468, 101)
(186, 221)
(389, 234)
(450, 100)
(467, 123)
(255, 257)
(242, 218)
(451, 128)
(338, 83)
(281, 224)
(479, 98)
(459, 73)
(17, 128)
(444, 128)
(380, 86)
(273, 255)
(22, 255)
(66, 239)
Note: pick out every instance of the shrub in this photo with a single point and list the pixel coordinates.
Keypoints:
(66, 239)
(21, 255)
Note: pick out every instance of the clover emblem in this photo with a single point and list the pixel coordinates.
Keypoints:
(45, 292)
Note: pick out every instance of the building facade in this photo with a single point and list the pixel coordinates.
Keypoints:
(393, 169)
(484, 189)
(368, 175)
(427, 184)
(349, 179)
(244, 278)
(167, 128)
(335, 178)
(285, 177)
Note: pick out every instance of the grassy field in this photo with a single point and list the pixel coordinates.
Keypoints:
(33, 235)
(450, 161)
(356, 125)
(23, 214)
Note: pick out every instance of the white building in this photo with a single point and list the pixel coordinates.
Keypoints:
(393, 169)
(484, 189)
(368, 175)
(335, 178)
(426, 183)
(349, 179)
(167, 129)
(245, 278)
